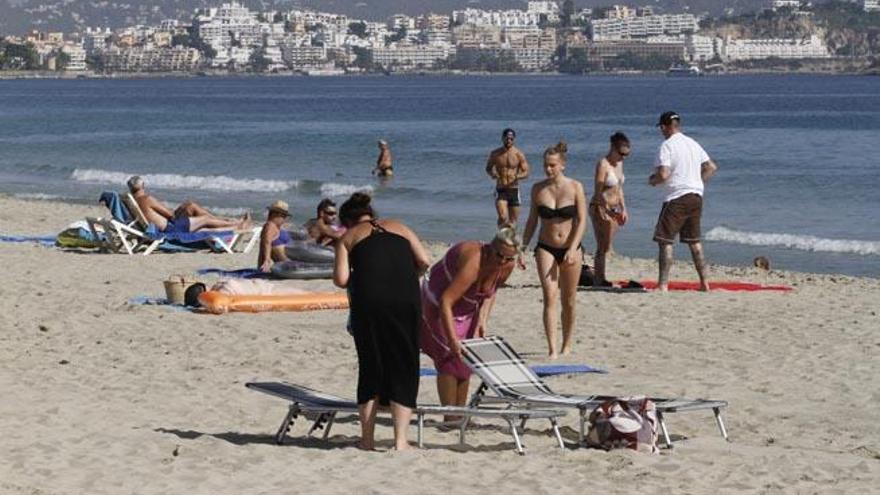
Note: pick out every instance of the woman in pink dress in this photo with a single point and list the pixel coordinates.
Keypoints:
(456, 300)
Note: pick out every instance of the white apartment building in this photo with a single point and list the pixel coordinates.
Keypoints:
(871, 5)
(144, 59)
(95, 39)
(783, 4)
(619, 12)
(700, 48)
(228, 25)
(549, 9)
(433, 22)
(402, 21)
(533, 52)
(500, 18)
(303, 57)
(635, 27)
(77, 56)
(786, 48)
(471, 36)
(409, 56)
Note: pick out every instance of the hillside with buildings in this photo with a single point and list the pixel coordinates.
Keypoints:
(19, 16)
(543, 36)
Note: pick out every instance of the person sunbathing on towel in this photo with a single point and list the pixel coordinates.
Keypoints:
(188, 217)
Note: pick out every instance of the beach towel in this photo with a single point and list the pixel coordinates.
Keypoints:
(687, 285)
(117, 208)
(45, 240)
(240, 273)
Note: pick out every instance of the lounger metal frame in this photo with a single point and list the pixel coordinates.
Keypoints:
(324, 408)
(528, 389)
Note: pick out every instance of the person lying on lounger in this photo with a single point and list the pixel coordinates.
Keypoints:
(188, 217)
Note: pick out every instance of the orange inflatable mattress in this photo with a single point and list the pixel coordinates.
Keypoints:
(219, 303)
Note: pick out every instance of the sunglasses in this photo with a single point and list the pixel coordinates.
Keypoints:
(502, 258)
(331, 213)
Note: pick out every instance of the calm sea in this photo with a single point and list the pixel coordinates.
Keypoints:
(798, 155)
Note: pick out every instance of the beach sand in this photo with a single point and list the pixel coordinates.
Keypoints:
(100, 396)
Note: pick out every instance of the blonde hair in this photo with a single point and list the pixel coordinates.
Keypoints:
(559, 148)
(506, 236)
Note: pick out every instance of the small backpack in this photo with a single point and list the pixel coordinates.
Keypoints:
(624, 423)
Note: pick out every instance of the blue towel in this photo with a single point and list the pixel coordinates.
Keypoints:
(240, 273)
(46, 240)
(157, 301)
(117, 208)
(541, 370)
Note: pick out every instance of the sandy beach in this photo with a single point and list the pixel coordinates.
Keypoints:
(103, 396)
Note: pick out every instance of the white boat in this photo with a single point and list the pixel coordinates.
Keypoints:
(684, 71)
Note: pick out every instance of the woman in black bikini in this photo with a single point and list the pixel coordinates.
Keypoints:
(561, 205)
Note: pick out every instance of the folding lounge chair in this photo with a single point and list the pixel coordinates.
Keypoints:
(505, 373)
(215, 237)
(114, 236)
(325, 407)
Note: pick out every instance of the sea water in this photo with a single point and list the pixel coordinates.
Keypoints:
(798, 155)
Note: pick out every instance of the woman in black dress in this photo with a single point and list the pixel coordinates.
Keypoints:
(380, 262)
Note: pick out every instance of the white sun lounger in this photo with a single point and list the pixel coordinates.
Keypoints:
(324, 408)
(505, 373)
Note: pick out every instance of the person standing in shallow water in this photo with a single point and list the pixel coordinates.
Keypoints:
(682, 167)
(560, 204)
(607, 207)
(507, 165)
(379, 262)
(384, 163)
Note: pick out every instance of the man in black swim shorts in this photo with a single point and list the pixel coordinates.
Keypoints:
(507, 165)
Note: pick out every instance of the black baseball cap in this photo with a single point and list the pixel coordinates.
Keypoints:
(666, 118)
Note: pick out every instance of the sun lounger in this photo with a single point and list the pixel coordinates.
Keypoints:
(227, 241)
(324, 408)
(505, 373)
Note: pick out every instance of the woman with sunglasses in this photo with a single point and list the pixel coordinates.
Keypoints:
(456, 300)
(560, 204)
(607, 207)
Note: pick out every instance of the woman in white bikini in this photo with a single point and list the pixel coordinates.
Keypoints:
(607, 207)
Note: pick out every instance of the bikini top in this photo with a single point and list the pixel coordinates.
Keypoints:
(612, 181)
(283, 238)
(569, 211)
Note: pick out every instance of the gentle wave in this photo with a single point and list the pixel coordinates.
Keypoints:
(175, 181)
(333, 189)
(37, 196)
(800, 242)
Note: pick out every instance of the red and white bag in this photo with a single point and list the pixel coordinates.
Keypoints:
(624, 423)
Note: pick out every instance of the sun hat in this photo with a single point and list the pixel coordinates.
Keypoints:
(279, 207)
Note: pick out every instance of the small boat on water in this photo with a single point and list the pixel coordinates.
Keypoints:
(684, 71)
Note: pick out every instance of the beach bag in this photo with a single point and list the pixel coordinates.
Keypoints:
(175, 288)
(624, 423)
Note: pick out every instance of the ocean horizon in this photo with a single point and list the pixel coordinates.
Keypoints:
(798, 176)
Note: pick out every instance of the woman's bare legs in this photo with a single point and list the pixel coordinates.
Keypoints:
(400, 416)
(568, 282)
(604, 234)
(452, 392)
(367, 415)
(548, 273)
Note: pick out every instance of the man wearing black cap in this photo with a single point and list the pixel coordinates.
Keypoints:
(682, 166)
(507, 165)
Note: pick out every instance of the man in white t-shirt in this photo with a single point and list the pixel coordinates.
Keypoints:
(682, 166)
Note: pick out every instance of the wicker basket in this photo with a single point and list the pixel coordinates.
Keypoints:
(175, 287)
